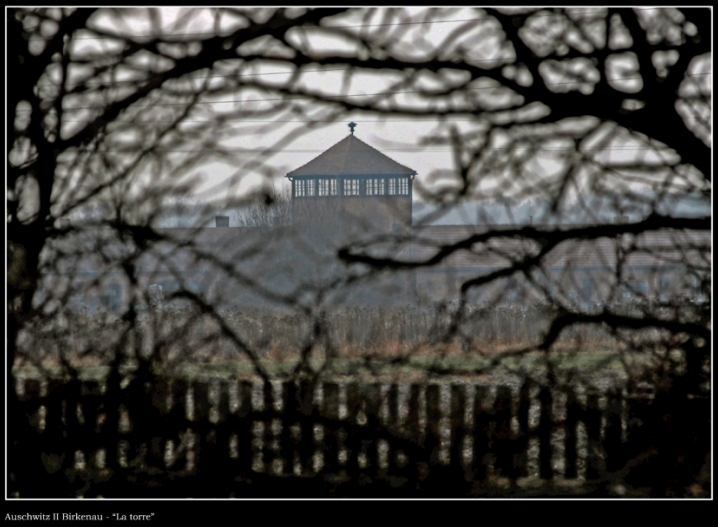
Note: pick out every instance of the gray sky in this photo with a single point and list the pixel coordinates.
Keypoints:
(395, 136)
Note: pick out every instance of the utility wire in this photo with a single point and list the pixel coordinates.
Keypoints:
(388, 24)
(239, 75)
(236, 75)
(332, 98)
(418, 150)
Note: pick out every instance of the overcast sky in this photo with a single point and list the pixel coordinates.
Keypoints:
(398, 137)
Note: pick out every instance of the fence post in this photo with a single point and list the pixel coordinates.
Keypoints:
(31, 402)
(639, 412)
(306, 448)
(223, 428)
(594, 450)
(482, 433)
(243, 426)
(372, 407)
(353, 440)
(76, 429)
(545, 431)
(458, 428)
(161, 427)
(178, 419)
(201, 404)
(433, 420)
(414, 435)
(110, 433)
(268, 454)
(613, 442)
(330, 412)
(502, 444)
(573, 415)
(212, 450)
(55, 440)
(25, 440)
(91, 404)
(524, 433)
(290, 413)
(392, 426)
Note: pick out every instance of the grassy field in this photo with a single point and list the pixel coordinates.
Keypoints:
(607, 362)
(366, 343)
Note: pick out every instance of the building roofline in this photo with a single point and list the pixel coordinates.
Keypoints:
(350, 143)
(361, 175)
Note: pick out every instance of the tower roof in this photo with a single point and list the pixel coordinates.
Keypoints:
(351, 156)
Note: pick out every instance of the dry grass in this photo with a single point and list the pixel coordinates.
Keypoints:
(178, 336)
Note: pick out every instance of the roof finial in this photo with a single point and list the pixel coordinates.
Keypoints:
(351, 126)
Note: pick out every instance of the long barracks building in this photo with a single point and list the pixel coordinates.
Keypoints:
(353, 196)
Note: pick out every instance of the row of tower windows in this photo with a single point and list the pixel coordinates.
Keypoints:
(396, 186)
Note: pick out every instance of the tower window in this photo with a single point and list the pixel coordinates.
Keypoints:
(398, 186)
(351, 187)
(404, 186)
(305, 187)
(327, 187)
(375, 187)
(298, 189)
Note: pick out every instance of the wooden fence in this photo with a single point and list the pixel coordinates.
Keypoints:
(179, 438)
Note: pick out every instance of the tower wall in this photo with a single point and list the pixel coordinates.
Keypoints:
(383, 213)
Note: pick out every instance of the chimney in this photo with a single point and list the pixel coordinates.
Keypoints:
(221, 221)
(622, 218)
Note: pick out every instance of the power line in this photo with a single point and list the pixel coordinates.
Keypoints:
(214, 33)
(328, 121)
(330, 97)
(288, 72)
(208, 77)
(410, 150)
(477, 61)
(235, 75)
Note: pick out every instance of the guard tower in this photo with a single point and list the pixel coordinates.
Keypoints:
(353, 182)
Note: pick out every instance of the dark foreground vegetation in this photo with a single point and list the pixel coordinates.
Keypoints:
(400, 414)
(167, 437)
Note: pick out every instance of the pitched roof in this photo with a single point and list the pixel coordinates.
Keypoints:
(351, 156)
(654, 248)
